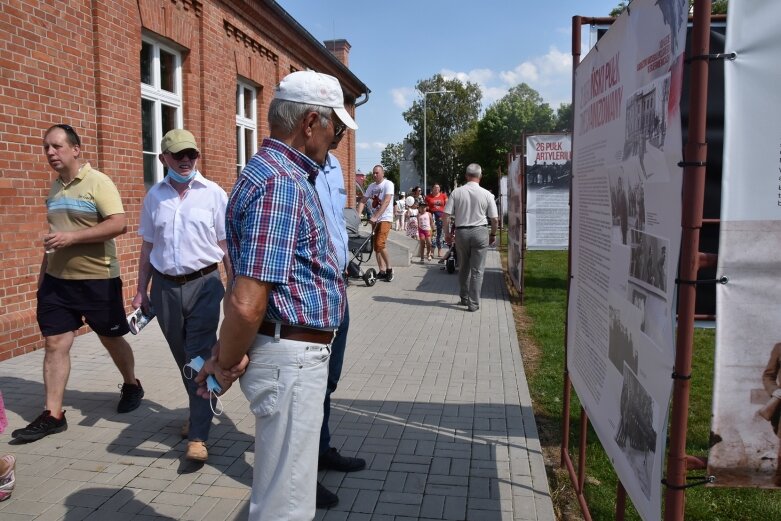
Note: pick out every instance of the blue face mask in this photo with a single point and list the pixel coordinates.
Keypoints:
(180, 178)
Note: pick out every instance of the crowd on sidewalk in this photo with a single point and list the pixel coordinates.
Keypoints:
(285, 311)
(285, 306)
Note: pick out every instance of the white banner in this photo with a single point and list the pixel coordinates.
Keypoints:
(746, 401)
(515, 221)
(548, 173)
(626, 219)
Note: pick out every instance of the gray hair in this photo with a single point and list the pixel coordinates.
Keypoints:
(285, 115)
(474, 170)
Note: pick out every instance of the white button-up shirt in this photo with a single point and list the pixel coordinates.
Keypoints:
(184, 231)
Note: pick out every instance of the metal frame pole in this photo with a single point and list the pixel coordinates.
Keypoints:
(576, 29)
(425, 147)
(696, 153)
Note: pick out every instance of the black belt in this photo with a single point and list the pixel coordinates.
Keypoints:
(299, 333)
(475, 226)
(181, 279)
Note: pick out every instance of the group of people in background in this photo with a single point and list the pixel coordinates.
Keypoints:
(285, 307)
(421, 219)
(472, 209)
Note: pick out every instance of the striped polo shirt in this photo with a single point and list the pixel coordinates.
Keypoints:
(82, 203)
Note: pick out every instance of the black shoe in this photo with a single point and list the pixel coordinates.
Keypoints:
(389, 275)
(43, 425)
(463, 302)
(131, 397)
(473, 308)
(332, 460)
(382, 275)
(325, 498)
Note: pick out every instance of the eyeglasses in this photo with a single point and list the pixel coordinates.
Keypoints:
(73, 137)
(190, 153)
(339, 127)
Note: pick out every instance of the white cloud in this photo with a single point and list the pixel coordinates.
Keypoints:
(549, 74)
(402, 97)
(553, 67)
(479, 76)
(525, 72)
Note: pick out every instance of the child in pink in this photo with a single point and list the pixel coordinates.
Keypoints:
(425, 224)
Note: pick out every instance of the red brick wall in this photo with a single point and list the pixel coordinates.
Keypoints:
(78, 63)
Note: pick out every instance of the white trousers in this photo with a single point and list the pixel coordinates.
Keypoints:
(285, 384)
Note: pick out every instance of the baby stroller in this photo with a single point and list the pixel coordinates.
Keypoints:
(361, 248)
(450, 260)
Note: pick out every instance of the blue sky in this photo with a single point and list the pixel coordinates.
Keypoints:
(494, 43)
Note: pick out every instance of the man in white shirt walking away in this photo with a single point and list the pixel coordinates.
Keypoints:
(473, 208)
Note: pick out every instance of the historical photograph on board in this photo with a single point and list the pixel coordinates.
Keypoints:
(636, 435)
(646, 123)
(746, 448)
(627, 203)
(621, 349)
(654, 322)
(548, 175)
(648, 262)
(639, 299)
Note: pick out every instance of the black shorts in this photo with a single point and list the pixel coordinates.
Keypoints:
(64, 305)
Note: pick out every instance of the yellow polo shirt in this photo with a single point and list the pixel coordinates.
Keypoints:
(84, 202)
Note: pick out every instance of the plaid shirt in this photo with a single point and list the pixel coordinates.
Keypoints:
(277, 233)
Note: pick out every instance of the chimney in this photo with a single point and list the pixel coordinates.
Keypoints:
(339, 48)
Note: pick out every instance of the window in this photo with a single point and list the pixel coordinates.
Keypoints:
(246, 123)
(161, 102)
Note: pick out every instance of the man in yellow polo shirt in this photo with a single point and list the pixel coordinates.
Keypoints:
(79, 279)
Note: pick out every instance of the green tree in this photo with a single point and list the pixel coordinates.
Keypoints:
(563, 120)
(467, 150)
(521, 110)
(447, 115)
(617, 10)
(719, 7)
(390, 158)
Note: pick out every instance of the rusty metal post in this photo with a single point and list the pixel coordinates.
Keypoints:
(522, 213)
(620, 501)
(565, 416)
(691, 221)
(582, 445)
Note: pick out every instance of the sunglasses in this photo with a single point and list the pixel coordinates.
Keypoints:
(73, 137)
(189, 153)
(339, 127)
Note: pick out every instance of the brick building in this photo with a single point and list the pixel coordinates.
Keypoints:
(123, 72)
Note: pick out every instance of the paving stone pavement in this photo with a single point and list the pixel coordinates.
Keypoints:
(432, 396)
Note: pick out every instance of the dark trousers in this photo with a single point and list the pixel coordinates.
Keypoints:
(334, 372)
(188, 315)
(438, 242)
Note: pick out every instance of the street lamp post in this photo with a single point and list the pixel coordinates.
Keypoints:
(425, 148)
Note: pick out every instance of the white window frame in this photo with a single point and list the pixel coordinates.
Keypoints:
(245, 122)
(160, 97)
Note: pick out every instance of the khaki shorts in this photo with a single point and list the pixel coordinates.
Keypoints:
(381, 235)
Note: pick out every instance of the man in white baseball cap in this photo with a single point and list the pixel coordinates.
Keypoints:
(314, 88)
(288, 296)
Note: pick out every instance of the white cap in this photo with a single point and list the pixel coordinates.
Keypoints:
(314, 88)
